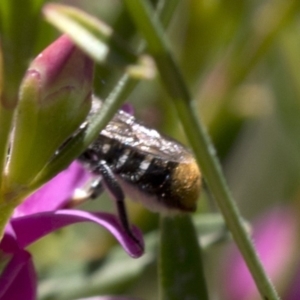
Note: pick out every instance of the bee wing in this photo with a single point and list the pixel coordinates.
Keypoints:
(125, 129)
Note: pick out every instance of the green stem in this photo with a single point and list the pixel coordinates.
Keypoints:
(180, 266)
(6, 210)
(6, 117)
(203, 148)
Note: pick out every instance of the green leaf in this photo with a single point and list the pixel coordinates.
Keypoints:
(19, 27)
(180, 265)
(93, 36)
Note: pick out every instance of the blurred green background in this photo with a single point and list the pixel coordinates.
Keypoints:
(241, 61)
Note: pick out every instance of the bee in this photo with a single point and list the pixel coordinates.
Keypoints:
(130, 158)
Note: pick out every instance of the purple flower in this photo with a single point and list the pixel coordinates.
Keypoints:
(43, 213)
(274, 236)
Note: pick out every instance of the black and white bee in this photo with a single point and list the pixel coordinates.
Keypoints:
(131, 159)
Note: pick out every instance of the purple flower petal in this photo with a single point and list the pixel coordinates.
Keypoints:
(30, 228)
(24, 284)
(18, 279)
(9, 242)
(55, 193)
(128, 108)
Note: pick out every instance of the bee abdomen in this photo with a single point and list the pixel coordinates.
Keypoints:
(174, 186)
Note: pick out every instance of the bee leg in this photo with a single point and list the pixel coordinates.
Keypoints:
(96, 188)
(88, 156)
(111, 184)
(81, 196)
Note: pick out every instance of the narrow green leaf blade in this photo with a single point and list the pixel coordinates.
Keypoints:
(181, 268)
(93, 36)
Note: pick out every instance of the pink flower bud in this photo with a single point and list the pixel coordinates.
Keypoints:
(55, 98)
(62, 66)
